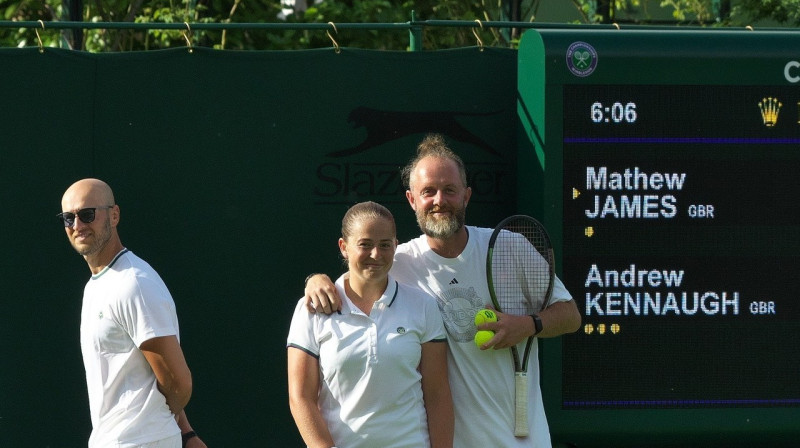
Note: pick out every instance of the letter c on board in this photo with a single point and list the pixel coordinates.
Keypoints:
(790, 65)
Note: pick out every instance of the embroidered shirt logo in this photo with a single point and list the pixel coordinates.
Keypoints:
(453, 281)
(401, 330)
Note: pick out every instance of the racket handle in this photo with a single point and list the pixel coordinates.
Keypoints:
(521, 404)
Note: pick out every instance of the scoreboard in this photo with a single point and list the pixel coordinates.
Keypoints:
(668, 167)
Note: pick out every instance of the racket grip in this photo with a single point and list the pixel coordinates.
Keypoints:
(521, 404)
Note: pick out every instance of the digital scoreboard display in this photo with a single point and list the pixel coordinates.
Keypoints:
(666, 166)
(681, 245)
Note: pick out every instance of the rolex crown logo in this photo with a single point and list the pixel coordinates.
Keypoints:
(770, 107)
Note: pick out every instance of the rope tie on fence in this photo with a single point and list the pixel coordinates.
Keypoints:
(187, 35)
(39, 38)
(335, 44)
(475, 33)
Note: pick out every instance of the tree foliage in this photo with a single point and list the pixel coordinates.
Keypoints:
(248, 11)
(784, 12)
(693, 12)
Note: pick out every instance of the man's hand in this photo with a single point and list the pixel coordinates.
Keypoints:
(509, 330)
(321, 295)
(186, 428)
(557, 319)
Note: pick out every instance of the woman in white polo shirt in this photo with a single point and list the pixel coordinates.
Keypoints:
(374, 374)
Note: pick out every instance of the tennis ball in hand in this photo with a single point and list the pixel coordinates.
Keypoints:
(482, 336)
(484, 316)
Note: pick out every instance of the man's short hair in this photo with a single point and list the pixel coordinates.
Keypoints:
(433, 145)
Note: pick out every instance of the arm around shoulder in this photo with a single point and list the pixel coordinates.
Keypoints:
(321, 295)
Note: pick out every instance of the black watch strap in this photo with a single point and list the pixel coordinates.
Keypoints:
(537, 324)
(186, 436)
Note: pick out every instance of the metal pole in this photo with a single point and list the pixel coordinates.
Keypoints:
(414, 34)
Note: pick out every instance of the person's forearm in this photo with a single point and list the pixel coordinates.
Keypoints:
(188, 435)
(173, 377)
(176, 395)
(311, 425)
(436, 394)
(183, 423)
(559, 318)
(440, 423)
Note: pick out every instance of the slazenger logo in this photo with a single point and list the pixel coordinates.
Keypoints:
(581, 59)
(358, 171)
(792, 71)
(384, 126)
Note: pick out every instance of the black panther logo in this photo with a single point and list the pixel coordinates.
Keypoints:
(385, 126)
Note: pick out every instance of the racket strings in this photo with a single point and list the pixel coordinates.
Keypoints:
(521, 262)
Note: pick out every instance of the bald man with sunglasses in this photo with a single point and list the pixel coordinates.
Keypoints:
(136, 373)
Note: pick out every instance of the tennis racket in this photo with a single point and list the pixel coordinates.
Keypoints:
(520, 271)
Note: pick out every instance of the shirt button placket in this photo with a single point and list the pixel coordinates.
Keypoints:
(373, 343)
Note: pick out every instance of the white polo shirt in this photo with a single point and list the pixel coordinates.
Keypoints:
(371, 394)
(124, 305)
(481, 381)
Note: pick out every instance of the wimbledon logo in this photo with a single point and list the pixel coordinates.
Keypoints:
(581, 59)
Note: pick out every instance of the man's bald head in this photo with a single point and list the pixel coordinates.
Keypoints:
(89, 191)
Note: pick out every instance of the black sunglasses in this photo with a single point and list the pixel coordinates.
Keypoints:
(86, 215)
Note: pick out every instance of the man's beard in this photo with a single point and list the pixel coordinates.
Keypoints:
(441, 227)
(99, 242)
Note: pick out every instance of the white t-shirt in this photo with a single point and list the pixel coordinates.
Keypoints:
(371, 394)
(481, 381)
(123, 306)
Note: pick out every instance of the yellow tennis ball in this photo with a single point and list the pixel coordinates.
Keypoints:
(484, 316)
(483, 336)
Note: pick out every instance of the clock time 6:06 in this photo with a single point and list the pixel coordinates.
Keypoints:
(616, 113)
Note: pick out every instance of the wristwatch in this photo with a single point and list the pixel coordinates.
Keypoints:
(186, 436)
(537, 324)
